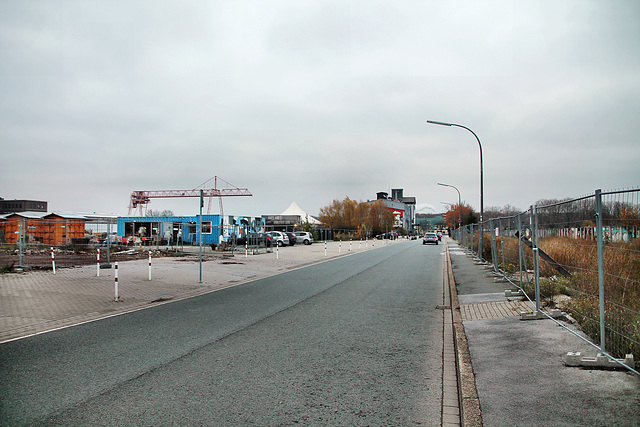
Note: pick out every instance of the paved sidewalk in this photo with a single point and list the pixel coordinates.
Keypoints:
(520, 376)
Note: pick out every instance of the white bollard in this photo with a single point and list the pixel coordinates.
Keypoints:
(340, 247)
(246, 249)
(149, 265)
(117, 298)
(325, 248)
(53, 261)
(98, 262)
(277, 246)
(349, 245)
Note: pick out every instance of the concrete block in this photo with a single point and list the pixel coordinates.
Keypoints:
(536, 315)
(509, 293)
(554, 313)
(532, 316)
(575, 359)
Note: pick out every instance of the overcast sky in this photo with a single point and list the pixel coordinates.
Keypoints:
(310, 101)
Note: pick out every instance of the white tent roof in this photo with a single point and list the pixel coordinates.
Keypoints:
(294, 209)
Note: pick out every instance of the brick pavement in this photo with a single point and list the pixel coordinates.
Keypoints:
(494, 309)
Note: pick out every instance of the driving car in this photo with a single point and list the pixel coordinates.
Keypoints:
(304, 237)
(430, 237)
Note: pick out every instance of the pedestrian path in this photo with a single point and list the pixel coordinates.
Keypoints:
(518, 372)
(495, 309)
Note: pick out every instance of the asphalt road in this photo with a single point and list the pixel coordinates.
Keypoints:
(352, 341)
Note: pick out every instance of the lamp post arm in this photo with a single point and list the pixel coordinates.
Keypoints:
(433, 122)
(481, 171)
(480, 239)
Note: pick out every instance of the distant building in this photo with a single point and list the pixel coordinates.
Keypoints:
(39, 227)
(150, 230)
(290, 220)
(11, 206)
(403, 208)
(429, 221)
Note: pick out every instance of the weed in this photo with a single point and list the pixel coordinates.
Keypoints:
(6, 268)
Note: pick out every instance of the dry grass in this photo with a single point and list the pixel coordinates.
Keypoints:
(580, 258)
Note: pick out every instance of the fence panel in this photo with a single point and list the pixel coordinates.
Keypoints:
(580, 255)
(621, 271)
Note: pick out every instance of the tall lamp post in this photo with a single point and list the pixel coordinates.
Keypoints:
(481, 179)
(459, 202)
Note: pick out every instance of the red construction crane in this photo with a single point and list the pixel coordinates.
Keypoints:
(139, 199)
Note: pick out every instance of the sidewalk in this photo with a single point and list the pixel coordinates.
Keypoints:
(520, 376)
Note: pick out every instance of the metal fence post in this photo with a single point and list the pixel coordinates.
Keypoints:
(519, 248)
(600, 245)
(471, 234)
(536, 258)
(494, 254)
(21, 242)
(480, 239)
(504, 264)
(466, 236)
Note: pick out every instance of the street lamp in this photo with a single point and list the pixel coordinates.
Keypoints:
(481, 178)
(459, 202)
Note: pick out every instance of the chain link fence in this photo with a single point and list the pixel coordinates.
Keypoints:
(37, 243)
(581, 256)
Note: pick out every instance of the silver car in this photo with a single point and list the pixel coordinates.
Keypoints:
(280, 238)
(430, 238)
(304, 237)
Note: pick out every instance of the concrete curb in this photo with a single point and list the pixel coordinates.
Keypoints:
(470, 413)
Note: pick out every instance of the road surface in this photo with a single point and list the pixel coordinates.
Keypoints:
(352, 341)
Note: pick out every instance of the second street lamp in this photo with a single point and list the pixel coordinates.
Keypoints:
(459, 202)
(433, 122)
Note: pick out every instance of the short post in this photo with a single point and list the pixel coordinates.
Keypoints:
(340, 247)
(117, 297)
(98, 262)
(349, 245)
(277, 247)
(325, 248)
(246, 249)
(149, 265)
(53, 261)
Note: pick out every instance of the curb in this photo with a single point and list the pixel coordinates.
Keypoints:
(470, 413)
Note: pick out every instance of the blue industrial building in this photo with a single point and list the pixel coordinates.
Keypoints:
(184, 229)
